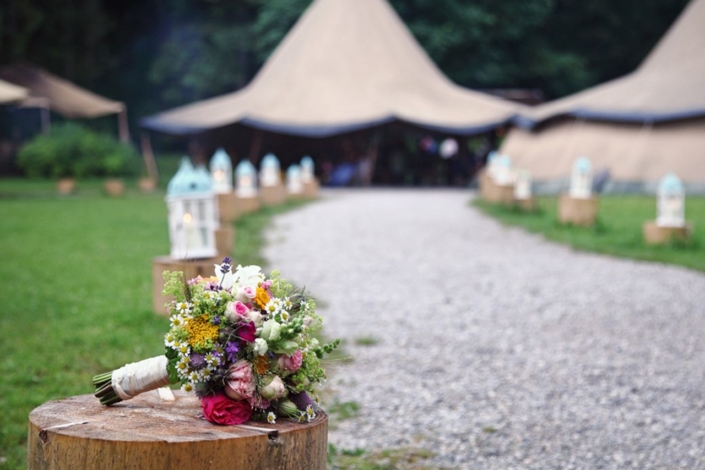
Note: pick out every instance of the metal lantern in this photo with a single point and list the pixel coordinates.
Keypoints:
(307, 172)
(192, 213)
(492, 161)
(581, 179)
(503, 171)
(245, 179)
(671, 202)
(270, 171)
(294, 185)
(522, 185)
(221, 172)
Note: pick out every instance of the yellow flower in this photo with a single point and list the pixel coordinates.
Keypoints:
(261, 364)
(261, 297)
(200, 330)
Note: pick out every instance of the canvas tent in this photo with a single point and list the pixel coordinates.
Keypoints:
(63, 97)
(10, 93)
(639, 126)
(346, 65)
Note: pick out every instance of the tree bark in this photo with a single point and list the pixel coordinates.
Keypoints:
(147, 433)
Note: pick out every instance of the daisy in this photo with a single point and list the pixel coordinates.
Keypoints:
(271, 418)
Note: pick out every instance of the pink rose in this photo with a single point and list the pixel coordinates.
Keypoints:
(237, 311)
(272, 389)
(245, 294)
(291, 363)
(258, 402)
(247, 332)
(241, 381)
(219, 409)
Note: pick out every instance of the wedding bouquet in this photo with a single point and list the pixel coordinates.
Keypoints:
(242, 342)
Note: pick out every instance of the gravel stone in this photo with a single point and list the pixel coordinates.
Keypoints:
(496, 349)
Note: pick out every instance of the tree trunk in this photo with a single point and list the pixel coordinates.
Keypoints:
(147, 433)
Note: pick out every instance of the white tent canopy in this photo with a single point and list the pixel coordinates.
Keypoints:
(345, 65)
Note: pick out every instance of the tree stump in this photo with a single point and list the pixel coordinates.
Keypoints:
(190, 267)
(114, 187)
(148, 433)
(272, 195)
(311, 189)
(225, 241)
(577, 211)
(226, 207)
(246, 205)
(656, 235)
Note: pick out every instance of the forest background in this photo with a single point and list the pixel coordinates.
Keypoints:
(158, 54)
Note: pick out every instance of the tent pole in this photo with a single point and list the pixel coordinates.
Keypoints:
(255, 146)
(123, 129)
(148, 156)
(46, 119)
(372, 152)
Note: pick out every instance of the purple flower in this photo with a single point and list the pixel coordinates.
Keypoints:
(231, 349)
(216, 320)
(214, 286)
(301, 400)
(226, 265)
(198, 361)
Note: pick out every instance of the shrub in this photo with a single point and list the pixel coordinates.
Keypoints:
(72, 150)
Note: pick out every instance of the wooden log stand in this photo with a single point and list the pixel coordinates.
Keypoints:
(114, 187)
(657, 235)
(66, 186)
(246, 205)
(311, 189)
(148, 433)
(272, 195)
(190, 267)
(577, 211)
(527, 205)
(227, 210)
(224, 240)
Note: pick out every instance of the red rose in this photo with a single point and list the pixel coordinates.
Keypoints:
(219, 409)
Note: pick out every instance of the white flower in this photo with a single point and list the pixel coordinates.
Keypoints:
(284, 315)
(226, 280)
(260, 347)
(271, 418)
(310, 413)
(271, 330)
(183, 307)
(187, 387)
(248, 276)
(177, 321)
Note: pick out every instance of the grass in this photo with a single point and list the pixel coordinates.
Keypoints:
(76, 287)
(618, 231)
(389, 459)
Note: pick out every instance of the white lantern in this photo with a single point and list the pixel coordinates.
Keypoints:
(307, 172)
(503, 172)
(581, 179)
(448, 148)
(522, 185)
(245, 179)
(221, 172)
(270, 171)
(492, 161)
(671, 202)
(193, 215)
(294, 185)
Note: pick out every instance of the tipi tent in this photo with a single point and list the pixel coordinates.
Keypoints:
(10, 93)
(63, 97)
(345, 65)
(640, 126)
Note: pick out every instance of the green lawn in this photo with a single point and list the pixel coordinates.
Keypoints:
(617, 231)
(75, 284)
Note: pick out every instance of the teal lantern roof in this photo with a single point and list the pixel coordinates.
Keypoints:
(504, 160)
(307, 163)
(671, 185)
(491, 156)
(221, 160)
(294, 171)
(189, 180)
(582, 165)
(244, 168)
(270, 161)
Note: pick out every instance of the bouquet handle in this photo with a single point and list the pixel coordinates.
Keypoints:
(131, 380)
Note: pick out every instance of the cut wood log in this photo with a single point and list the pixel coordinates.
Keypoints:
(148, 433)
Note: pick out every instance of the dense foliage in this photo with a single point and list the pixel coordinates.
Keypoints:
(158, 54)
(71, 150)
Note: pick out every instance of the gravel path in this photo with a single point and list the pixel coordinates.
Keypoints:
(495, 348)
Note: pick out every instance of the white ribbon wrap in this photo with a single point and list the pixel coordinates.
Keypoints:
(139, 377)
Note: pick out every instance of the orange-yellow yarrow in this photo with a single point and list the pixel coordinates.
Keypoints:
(261, 297)
(200, 329)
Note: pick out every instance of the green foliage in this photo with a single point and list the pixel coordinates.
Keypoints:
(389, 459)
(618, 230)
(74, 151)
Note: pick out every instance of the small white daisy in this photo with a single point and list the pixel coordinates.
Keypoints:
(187, 387)
(271, 418)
